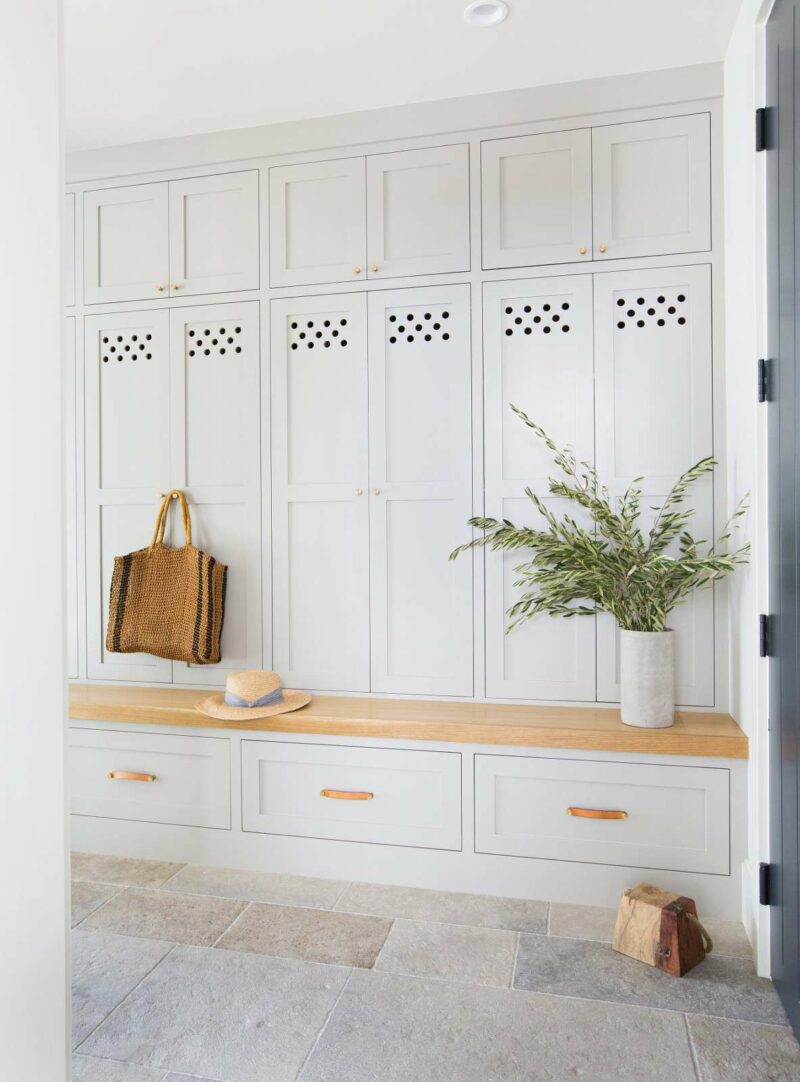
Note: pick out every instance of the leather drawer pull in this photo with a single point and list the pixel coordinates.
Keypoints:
(130, 775)
(596, 813)
(343, 794)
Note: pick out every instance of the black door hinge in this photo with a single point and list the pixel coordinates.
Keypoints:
(764, 876)
(763, 388)
(763, 643)
(761, 129)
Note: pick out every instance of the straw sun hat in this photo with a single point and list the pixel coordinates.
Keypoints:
(252, 694)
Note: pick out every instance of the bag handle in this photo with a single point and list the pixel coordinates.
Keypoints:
(163, 516)
(707, 943)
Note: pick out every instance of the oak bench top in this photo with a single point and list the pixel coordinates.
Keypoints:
(588, 728)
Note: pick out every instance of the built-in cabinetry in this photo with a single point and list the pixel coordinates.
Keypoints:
(608, 192)
(376, 217)
(172, 401)
(333, 456)
(172, 237)
(372, 475)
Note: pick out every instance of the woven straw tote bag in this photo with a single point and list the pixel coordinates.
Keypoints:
(166, 601)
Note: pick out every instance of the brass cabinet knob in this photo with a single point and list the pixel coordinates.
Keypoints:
(582, 250)
(175, 285)
(359, 492)
(376, 492)
(374, 267)
(356, 270)
(602, 248)
(160, 289)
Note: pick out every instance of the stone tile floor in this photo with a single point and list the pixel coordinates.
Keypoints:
(183, 972)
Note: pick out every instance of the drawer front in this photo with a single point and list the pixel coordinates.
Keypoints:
(415, 795)
(676, 817)
(192, 777)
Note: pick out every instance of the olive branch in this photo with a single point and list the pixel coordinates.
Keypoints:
(614, 566)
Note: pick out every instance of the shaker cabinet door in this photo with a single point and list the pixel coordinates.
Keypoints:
(126, 255)
(654, 421)
(418, 211)
(652, 187)
(320, 506)
(216, 459)
(537, 199)
(70, 405)
(317, 222)
(68, 251)
(420, 490)
(538, 356)
(213, 243)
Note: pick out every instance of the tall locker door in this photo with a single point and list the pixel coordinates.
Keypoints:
(125, 249)
(538, 356)
(213, 233)
(537, 199)
(418, 211)
(320, 506)
(127, 466)
(216, 456)
(420, 490)
(654, 421)
(71, 498)
(317, 222)
(651, 183)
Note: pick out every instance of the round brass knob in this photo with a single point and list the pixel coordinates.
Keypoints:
(582, 250)
(602, 248)
(175, 285)
(374, 268)
(160, 289)
(359, 492)
(356, 270)
(376, 492)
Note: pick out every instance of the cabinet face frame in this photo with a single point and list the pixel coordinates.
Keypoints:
(608, 198)
(449, 214)
(244, 185)
(577, 246)
(349, 215)
(152, 240)
(70, 408)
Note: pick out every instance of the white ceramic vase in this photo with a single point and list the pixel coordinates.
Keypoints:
(647, 675)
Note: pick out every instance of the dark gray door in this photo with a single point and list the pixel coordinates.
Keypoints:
(783, 247)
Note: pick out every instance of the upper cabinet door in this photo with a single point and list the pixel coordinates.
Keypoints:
(213, 242)
(420, 490)
(418, 212)
(320, 506)
(317, 222)
(126, 254)
(537, 199)
(652, 187)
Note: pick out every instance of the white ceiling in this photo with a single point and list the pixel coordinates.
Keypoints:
(151, 69)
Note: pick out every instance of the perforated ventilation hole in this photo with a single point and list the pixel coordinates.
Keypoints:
(405, 328)
(128, 346)
(537, 314)
(660, 311)
(319, 330)
(211, 341)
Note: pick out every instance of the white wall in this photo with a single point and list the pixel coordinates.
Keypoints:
(33, 975)
(743, 182)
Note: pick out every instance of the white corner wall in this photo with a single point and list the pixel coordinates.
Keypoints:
(746, 460)
(33, 899)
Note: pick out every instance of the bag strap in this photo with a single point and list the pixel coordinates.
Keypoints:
(707, 943)
(163, 516)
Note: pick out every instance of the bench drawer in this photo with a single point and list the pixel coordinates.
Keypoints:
(390, 796)
(192, 777)
(676, 817)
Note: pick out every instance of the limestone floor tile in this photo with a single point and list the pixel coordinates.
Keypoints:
(104, 969)
(401, 1029)
(744, 1052)
(722, 986)
(316, 935)
(596, 922)
(122, 871)
(183, 918)
(257, 886)
(445, 907)
(89, 1069)
(86, 897)
(223, 1015)
(451, 952)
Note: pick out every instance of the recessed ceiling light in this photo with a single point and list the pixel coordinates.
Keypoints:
(485, 12)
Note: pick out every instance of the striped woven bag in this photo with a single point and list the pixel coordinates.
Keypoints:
(167, 601)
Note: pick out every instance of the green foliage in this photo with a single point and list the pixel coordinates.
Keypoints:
(613, 565)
